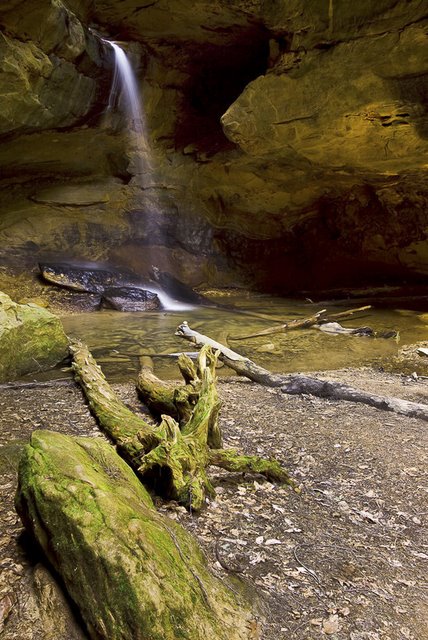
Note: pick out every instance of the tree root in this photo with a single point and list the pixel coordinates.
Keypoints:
(173, 456)
(231, 460)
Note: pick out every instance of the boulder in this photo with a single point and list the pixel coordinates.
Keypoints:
(131, 299)
(31, 339)
(133, 573)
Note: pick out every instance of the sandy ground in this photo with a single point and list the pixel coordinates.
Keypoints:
(346, 559)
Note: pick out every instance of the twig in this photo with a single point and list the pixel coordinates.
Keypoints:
(310, 571)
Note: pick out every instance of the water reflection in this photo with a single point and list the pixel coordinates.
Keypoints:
(119, 339)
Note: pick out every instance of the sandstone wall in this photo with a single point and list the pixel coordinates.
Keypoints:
(288, 139)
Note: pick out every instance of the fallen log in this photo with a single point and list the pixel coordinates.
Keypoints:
(302, 323)
(133, 573)
(300, 384)
(173, 456)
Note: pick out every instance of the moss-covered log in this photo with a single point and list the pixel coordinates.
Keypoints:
(231, 460)
(173, 457)
(130, 432)
(175, 401)
(134, 574)
(180, 401)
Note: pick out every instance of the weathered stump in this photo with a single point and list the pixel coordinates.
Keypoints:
(175, 454)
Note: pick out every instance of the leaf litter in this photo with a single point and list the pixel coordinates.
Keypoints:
(345, 559)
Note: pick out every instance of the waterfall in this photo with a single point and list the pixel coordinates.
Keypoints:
(125, 84)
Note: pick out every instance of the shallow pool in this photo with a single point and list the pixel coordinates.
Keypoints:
(119, 339)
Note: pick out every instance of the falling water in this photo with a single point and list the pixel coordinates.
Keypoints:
(124, 82)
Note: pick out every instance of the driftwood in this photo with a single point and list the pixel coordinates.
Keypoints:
(174, 455)
(303, 323)
(300, 384)
(334, 328)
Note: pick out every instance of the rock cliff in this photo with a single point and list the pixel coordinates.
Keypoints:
(288, 139)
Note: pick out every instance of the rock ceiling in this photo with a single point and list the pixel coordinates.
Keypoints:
(289, 138)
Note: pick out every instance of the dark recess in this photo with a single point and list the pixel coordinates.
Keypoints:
(217, 76)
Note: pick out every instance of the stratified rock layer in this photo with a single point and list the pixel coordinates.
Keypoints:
(31, 339)
(288, 139)
(133, 574)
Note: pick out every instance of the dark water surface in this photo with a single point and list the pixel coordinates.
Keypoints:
(118, 339)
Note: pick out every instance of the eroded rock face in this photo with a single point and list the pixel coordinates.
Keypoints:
(357, 105)
(176, 21)
(40, 84)
(288, 139)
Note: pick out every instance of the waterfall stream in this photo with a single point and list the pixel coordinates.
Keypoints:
(125, 84)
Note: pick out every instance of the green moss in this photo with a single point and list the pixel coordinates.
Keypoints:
(132, 572)
(231, 460)
(31, 339)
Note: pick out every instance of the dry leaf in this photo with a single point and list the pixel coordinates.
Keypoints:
(331, 624)
(316, 622)
(255, 630)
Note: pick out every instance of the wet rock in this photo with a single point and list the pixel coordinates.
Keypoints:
(31, 339)
(131, 299)
(88, 277)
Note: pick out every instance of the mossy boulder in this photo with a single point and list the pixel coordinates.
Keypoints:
(132, 572)
(31, 339)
